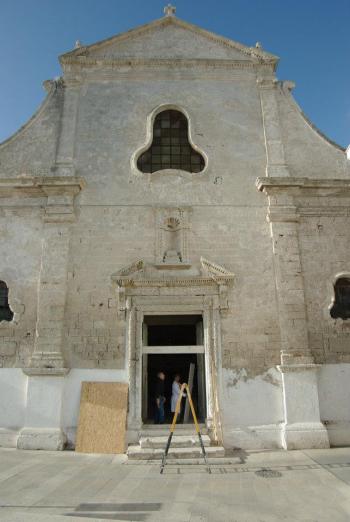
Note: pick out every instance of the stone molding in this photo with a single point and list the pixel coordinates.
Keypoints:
(40, 186)
(111, 74)
(286, 368)
(59, 191)
(255, 53)
(132, 276)
(161, 63)
(45, 372)
(286, 197)
(269, 184)
(140, 276)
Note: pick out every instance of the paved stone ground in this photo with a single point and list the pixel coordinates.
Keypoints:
(308, 486)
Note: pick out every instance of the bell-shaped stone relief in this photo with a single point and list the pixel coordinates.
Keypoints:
(170, 147)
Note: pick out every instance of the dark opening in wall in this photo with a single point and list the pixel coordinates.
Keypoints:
(6, 313)
(170, 147)
(173, 330)
(341, 306)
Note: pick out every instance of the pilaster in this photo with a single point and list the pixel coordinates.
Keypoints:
(275, 156)
(64, 164)
(46, 372)
(58, 217)
(302, 426)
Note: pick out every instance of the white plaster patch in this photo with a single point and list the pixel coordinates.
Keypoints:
(252, 409)
(334, 398)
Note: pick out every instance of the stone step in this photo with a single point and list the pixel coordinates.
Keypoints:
(178, 441)
(138, 453)
(163, 430)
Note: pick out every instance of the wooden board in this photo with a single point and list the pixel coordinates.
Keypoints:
(190, 385)
(102, 418)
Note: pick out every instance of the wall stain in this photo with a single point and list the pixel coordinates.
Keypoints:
(271, 380)
(243, 375)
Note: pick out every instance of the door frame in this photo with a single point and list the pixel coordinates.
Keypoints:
(139, 306)
(197, 349)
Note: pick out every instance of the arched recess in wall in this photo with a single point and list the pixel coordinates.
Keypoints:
(340, 308)
(169, 144)
(6, 314)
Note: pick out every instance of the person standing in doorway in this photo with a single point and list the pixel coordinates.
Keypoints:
(160, 399)
(175, 392)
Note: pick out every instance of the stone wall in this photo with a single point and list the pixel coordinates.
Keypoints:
(31, 150)
(20, 256)
(329, 238)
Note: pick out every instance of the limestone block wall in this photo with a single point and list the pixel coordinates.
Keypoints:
(20, 257)
(329, 238)
(308, 152)
(105, 239)
(31, 150)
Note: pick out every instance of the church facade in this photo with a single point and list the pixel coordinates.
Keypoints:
(170, 206)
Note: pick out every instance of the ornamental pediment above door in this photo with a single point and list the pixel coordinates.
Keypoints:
(206, 278)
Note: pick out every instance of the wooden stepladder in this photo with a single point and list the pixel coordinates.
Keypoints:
(184, 387)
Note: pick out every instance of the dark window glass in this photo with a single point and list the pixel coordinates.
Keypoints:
(6, 313)
(170, 148)
(341, 306)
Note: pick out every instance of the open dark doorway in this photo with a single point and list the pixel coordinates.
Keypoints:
(173, 330)
(171, 364)
(173, 343)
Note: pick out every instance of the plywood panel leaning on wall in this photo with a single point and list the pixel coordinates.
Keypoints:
(102, 417)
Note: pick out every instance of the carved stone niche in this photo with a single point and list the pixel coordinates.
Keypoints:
(172, 226)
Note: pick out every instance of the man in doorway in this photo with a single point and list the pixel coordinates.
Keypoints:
(160, 398)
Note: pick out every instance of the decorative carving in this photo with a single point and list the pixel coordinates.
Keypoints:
(217, 272)
(137, 276)
(169, 10)
(171, 241)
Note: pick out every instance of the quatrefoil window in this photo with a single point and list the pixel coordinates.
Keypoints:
(170, 147)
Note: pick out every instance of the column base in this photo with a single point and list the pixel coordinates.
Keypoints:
(304, 435)
(52, 439)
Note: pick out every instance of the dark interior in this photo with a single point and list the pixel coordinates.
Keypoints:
(171, 365)
(172, 330)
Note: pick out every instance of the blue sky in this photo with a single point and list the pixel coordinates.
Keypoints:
(312, 38)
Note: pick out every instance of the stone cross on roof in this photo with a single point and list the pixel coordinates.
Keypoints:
(169, 10)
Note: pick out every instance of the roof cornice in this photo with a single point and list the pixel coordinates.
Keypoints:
(268, 185)
(255, 53)
(114, 63)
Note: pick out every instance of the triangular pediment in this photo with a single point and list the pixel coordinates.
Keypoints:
(141, 273)
(169, 38)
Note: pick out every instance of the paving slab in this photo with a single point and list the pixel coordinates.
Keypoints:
(265, 486)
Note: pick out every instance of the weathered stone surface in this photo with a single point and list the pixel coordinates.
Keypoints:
(86, 248)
